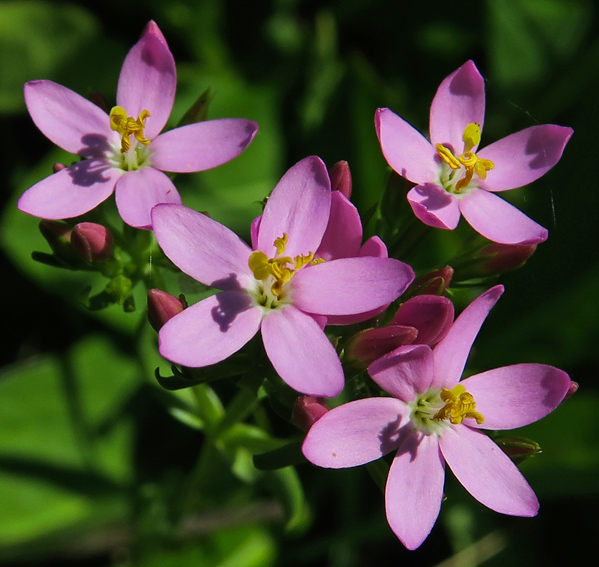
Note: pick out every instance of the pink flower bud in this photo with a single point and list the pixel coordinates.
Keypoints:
(431, 315)
(58, 167)
(307, 410)
(93, 242)
(433, 283)
(369, 345)
(162, 306)
(501, 258)
(341, 178)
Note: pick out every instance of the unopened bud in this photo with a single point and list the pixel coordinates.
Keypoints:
(432, 283)
(93, 242)
(492, 259)
(369, 345)
(431, 315)
(58, 167)
(518, 448)
(341, 178)
(307, 410)
(163, 306)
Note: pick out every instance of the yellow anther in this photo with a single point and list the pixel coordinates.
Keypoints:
(471, 137)
(280, 243)
(276, 272)
(446, 155)
(127, 126)
(459, 405)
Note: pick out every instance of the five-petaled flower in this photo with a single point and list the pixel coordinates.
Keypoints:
(433, 418)
(124, 151)
(280, 287)
(453, 177)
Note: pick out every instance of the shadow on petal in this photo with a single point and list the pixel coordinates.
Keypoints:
(392, 435)
(432, 197)
(229, 306)
(89, 172)
(94, 146)
(410, 442)
(542, 147)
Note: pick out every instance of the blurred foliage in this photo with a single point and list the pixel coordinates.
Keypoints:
(95, 458)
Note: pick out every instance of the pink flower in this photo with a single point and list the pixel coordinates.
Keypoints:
(452, 177)
(279, 287)
(124, 151)
(432, 418)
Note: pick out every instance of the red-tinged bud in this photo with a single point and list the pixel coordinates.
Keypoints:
(307, 410)
(369, 345)
(341, 178)
(518, 448)
(572, 390)
(432, 283)
(163, 306)
(93, 242)
(58, 167)
(431, 315)
(491, 260)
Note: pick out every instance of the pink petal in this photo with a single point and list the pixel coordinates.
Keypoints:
(487, 472)
(254, 229)
(355, 433)
(460, 100)
(203, 248)
(299, 207)
(350, 285)
(432, 315)
(343, 236)
(415, 489)
(451, 353)
(148, 81)
(405, 372)
(498, 220)
(514, 396)
(138, 191)
(301, 353)
(203, 145)
(406, 150)
(72, 122)
(210, 330)
(374, 246)
(524, 156)
(72, 191)
(434, 206)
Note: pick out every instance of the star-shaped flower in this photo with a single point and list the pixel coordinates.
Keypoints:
(453, 177)
(432, 418)
(124, 151)
(280, 287)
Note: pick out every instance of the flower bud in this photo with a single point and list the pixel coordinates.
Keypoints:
(162, 306)
(369, 345)
(492, 259)
(431, 315)
(93, 242)
(518, 448)
(341, 178)
(307, 410)
(432, 283)
(58, 167)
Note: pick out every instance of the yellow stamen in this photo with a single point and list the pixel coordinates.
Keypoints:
(471, 163)
(459, 405)
(280, 268)
(127, 126)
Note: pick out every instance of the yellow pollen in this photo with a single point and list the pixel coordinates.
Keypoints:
(459, 405)
(280, 268)
(471, 163)
(127, 126)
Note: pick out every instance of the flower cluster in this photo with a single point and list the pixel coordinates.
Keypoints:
(308, 269)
